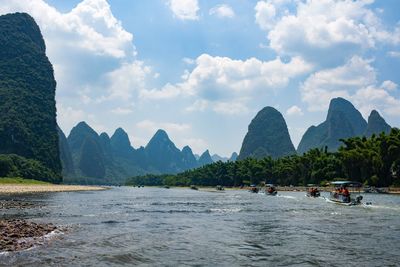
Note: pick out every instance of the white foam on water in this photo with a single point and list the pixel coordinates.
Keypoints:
(371, 206)
(227, 210)
(288, 197)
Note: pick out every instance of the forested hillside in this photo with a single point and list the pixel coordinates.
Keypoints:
(27, 96)
(372, 161)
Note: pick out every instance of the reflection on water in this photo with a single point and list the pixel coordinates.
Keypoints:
(151, 226)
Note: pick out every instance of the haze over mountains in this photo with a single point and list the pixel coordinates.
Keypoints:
(91, 158)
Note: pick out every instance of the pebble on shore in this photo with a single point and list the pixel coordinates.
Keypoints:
(16, 235)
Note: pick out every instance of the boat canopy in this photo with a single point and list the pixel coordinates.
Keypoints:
(346, 183)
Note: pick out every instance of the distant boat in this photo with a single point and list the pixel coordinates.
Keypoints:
(271, 190)
(376, 190)
(341, 194)
(220, 188)
(313, 192)
(254, 189)
(193, 187)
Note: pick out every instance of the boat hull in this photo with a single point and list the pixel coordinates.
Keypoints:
(345, 200)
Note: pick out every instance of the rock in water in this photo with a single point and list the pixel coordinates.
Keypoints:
(28, 125)
(343, 121)
(16, 235)
(376, 124)
(267, 136)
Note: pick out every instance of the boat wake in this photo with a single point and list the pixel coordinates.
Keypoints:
(371, 206)
(226, 210)
(288, 197)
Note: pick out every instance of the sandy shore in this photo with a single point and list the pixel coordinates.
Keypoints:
(17, 189)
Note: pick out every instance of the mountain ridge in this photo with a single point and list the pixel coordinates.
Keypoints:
(267, 135)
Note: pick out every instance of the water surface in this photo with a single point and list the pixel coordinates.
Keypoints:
(183, 227)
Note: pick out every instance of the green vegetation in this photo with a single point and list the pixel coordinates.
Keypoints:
(27, 98)
(7, 180)
(16, 166)
(374, 161)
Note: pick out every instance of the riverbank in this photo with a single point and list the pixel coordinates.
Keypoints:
(41, 188)
(16, 235)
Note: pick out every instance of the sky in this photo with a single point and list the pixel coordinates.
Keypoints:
(201, 70)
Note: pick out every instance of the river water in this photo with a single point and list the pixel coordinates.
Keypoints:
(183, 227)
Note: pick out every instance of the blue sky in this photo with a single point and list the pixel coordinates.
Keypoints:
(201, 70)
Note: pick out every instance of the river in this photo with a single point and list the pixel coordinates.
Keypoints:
(182, 227)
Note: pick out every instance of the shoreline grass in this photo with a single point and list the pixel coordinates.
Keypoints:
(22, 181)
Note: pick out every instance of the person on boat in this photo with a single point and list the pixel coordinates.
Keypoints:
(337, 192)
(346, 194)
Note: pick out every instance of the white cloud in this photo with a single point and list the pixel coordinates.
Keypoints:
(216, 78)
(222, 11)
(84, 45)
(198, 105)
(127, 79)
(395, 54)
(122, 111)
(221, 82)
(89, 26)
(322, 86)
(68, 116)
(152, 126)
(389, 85)
(230, 108)
(294, 111)
(265, 15)
(184, 9)
(168, 91)
(326, 31)
(188, 61)
(373, 97)
(355, 81)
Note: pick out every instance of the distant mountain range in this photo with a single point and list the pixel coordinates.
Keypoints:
(268, 134)
(90, 158)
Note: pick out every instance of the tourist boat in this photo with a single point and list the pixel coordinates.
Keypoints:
(220, 188)
(253, 189)
(377, 190)
(313, 192)
(271, 190)
(345, 198)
